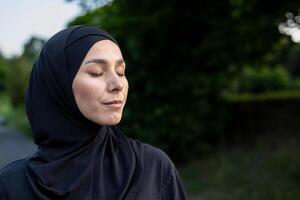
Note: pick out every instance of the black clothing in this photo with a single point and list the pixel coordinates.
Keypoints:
(160, 179)
(77, 158)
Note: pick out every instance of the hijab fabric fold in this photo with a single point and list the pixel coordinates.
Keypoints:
(76, 158)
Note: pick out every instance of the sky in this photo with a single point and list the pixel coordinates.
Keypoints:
(22, 19)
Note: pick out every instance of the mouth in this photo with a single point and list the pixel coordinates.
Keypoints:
(114, 104)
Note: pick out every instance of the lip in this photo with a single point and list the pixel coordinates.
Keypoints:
(114, 104)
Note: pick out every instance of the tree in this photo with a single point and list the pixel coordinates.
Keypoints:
(16, 79)
(14, 72)
(33, 47)
(180, 57)
(90, 4)
(3, 64)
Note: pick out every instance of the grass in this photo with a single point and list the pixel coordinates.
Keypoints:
(267, 171)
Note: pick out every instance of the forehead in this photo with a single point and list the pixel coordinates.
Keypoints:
(105, 48)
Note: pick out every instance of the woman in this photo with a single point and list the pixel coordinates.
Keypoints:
(75, 98)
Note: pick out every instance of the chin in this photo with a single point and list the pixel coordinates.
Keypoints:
(108, 121)
(111, 123)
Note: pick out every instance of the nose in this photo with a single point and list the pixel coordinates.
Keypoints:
(115, 84)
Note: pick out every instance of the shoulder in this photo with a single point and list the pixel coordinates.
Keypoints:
(9, 174)
(158, 166)
(152, 154)
(12, 170)
(145, 151)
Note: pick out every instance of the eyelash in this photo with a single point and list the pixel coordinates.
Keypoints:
(96, 75)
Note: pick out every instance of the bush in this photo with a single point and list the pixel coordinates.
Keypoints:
(16, 79)
(15, 116)
(263, 79)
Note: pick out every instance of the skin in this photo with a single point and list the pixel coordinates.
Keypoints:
(99, 80)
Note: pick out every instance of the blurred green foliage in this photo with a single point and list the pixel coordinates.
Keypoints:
(182, 57)
(265, 96)
(269, 169)
(14, 75)
(262, 79)
(263, 83)
(15, 116)
(3, 62)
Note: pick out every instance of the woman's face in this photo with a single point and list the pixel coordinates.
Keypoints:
(100, 87)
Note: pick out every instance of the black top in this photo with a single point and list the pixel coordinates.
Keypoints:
(160, 178)
(77, 158)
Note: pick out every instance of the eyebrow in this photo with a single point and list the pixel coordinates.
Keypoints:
(104, 61)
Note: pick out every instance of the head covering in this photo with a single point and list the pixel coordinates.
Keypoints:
(76, 158)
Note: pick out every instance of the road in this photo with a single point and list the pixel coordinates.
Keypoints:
(14, 145)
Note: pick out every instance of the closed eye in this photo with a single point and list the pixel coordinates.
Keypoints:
(95, 74)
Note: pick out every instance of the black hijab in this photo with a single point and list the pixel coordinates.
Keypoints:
(76, 158)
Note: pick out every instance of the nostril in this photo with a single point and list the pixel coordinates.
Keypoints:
(115, 83)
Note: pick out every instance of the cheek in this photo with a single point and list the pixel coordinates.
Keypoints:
(125, 89)
(89, 91)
